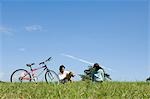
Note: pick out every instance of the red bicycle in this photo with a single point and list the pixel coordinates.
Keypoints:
(22, 75)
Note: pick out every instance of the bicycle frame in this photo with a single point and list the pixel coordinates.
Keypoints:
(32, 73)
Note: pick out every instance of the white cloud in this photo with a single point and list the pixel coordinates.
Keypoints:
(76, 58)
(83, 61)
(22, 49)
(32, 28)
(6, 31)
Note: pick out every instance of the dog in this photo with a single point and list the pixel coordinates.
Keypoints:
(68, 77)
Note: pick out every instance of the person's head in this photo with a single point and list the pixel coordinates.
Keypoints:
(62, 68)
(97, 67)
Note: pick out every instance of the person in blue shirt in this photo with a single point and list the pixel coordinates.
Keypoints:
(98, 73)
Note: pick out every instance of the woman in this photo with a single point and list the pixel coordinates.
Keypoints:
(98, 73)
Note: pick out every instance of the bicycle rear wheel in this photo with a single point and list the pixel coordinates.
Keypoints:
(51, 77)
(20, 75)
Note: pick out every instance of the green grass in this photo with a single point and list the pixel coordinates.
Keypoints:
(76, 90)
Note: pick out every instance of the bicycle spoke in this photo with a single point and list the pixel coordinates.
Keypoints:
(20, 75)
(51, 77)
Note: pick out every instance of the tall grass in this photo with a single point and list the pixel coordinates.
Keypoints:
(76, 90)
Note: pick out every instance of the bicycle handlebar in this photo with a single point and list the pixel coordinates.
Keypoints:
(41, 63)
(45, 61)
(48, 59)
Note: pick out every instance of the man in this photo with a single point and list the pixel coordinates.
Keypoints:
(64, 75)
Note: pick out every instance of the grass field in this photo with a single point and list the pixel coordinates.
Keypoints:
(76, 90)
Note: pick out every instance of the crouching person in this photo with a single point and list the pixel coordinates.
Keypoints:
(64, 75)
(98, 73)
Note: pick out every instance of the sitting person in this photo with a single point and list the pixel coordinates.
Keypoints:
(64, 75)
(98, 73)
(148, 79)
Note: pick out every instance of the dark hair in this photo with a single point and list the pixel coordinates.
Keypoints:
(96, 65)
(61, 66)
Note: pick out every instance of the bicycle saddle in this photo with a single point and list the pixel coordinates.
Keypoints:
(29, 65)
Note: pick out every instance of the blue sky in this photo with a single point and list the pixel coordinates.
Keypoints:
(113, 33)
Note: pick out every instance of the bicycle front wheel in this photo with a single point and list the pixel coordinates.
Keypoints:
(51, 77)
(20, 75)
